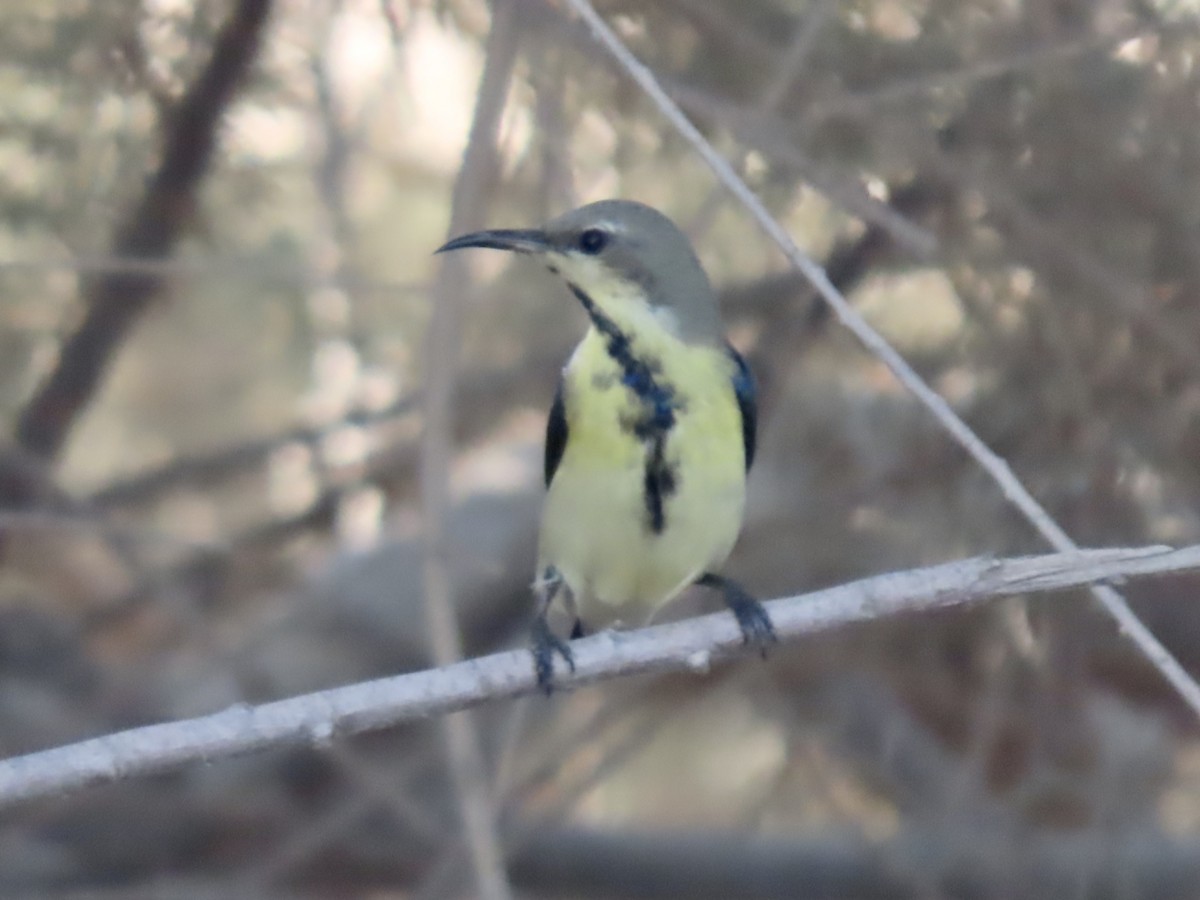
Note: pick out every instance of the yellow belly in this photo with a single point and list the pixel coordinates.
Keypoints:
(595, 527)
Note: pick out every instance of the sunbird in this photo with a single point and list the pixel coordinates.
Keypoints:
(651, 433)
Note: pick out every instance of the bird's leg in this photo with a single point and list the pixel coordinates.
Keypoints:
(752, 618)
(545, 642)
(568, 597)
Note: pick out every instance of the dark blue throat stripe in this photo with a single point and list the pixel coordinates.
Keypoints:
(658, 404)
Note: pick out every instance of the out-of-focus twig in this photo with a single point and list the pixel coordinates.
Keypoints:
(115, 301)
(994, 465)
(847, 193)
(468, 207)
(917, 862)
(635, 736)
(208, 468)
(689, 645)
(270, 271)
(795, 58)
(868, 102)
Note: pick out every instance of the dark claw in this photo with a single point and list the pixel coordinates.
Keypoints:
(752, 616)
(545, 644)
(754, 621)
(577, 630)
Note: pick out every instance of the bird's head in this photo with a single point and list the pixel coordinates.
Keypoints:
(627, 258)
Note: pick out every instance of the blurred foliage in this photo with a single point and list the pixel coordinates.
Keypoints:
(1008, 189)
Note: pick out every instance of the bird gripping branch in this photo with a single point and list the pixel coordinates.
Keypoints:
(651, 433)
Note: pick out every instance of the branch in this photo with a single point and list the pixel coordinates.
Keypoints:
(994, 465)
(467, 210)
(693, 644)
(116, 299)
(978, 862)
(206, 469)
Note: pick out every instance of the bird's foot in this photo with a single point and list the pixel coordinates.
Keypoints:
(545, 644)
(751, 615)
(753, 619)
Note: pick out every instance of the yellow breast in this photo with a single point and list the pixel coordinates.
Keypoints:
(598, 528)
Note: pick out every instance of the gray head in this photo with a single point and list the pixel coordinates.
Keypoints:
(628, 258)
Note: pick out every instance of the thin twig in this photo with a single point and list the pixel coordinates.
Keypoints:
(795, 58)
(250, 268)
(995, 466)
(1039, 243)
(468, 207)
(749, 127)
(205, 469)
(920, 860)
(861, 103)
(693, 644)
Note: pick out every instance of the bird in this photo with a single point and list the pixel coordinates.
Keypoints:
(650, 435)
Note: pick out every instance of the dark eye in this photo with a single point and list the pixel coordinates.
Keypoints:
(593, 241)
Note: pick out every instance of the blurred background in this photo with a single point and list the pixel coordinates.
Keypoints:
(219, 318)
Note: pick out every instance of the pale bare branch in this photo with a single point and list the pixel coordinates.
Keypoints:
(693, 644)
(468, 207)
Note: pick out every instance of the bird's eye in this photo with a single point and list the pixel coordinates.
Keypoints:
(592, 241)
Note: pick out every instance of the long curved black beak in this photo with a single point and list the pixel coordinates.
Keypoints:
(518, 240)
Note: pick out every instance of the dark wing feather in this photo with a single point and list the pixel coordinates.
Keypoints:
(556, 435)
(747, 399)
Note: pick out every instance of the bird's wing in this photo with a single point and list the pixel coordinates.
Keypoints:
(556, 435)
(747, 400)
